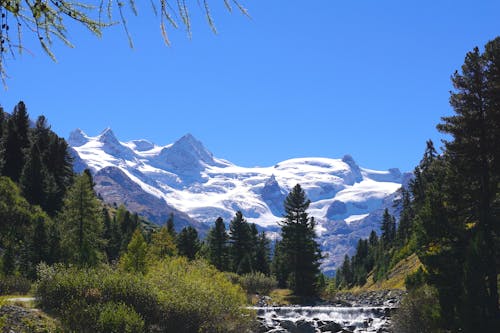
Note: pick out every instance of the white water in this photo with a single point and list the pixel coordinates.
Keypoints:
(358, 319)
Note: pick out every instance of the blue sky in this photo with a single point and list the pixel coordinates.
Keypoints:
(300, 78)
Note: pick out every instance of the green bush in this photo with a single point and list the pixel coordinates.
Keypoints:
(14, 285)
(415, 280)
(175, 296)
(199, 298)
(118, 318)
(418, 312)
(257, 283)
(72, 293)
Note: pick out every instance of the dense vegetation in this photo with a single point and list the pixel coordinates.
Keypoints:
(450, 214)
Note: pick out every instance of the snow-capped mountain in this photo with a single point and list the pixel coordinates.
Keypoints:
(185, 178)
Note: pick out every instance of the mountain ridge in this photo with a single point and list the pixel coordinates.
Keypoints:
(346, 199)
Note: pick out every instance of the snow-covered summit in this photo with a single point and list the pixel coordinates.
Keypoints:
(346, 199)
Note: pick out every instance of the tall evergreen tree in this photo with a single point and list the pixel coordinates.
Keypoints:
(171, 225)
(388, 228)
(217, 242)
(241, 246)
(188, 243)
(14, 142)
(299, 245)
(474, 159)
(32, 179)
(81, 224)
(262, 251)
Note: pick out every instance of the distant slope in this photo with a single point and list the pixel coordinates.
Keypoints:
(395, 278)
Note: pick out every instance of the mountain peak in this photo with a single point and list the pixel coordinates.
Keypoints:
(77, 138)
(189, 144)
(108, 136)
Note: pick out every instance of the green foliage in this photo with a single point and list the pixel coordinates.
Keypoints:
(188, 243)
(162, 244)
(418, 312)
(198, 298)
(176, 295)
(118, 318)
(241, 246)
(257, 283)
(416, 280)
(298, 249)
(217, 242)
(14, 285)
(14, 142)
(134, 260)
(81, 224)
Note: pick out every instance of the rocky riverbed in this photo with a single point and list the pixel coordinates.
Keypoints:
(347, 312)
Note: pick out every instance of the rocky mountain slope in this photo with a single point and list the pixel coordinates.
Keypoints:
(185, 179)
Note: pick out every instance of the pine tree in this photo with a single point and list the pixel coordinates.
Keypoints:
(111, 236)
(388, 228)
(474, 158)
(162, 244)
(134, 260)
(188, 243)
(262, 260)
(299, 245)
(241, 246)
(171, 226)
(14, 142)
(32, 179)
(81, 224)
(217, 242)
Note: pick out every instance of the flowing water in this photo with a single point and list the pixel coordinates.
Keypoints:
(315, 318)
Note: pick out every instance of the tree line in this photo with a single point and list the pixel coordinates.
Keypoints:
(49, 214)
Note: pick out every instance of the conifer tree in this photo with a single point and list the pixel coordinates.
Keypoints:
(217, 242)
(111, 235)
(134, 260)
(262, 261)
(14, 142)
(298, 244)
(241, 247)
(388, 228)
(188, 243)
(473, 160)
(81, 224)
(171, 226)
(32, 179)
(162, 244)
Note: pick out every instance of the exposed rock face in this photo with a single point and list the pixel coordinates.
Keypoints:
(116, 188)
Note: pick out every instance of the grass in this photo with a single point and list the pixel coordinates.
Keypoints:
(396, 277)
(7, 300)
(283, 297)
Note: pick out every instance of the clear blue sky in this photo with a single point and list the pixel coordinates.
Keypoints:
(300, 78)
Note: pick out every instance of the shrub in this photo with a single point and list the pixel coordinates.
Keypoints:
(175, 296)
(199, 298)
(257, 283)
(415, 280)
(118, 318)
(418, 312)
(14, 285)
(73, 294)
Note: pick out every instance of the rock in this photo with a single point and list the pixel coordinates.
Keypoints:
(304, 327)
(331, 326)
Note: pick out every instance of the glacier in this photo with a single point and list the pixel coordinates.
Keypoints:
(185, 179)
